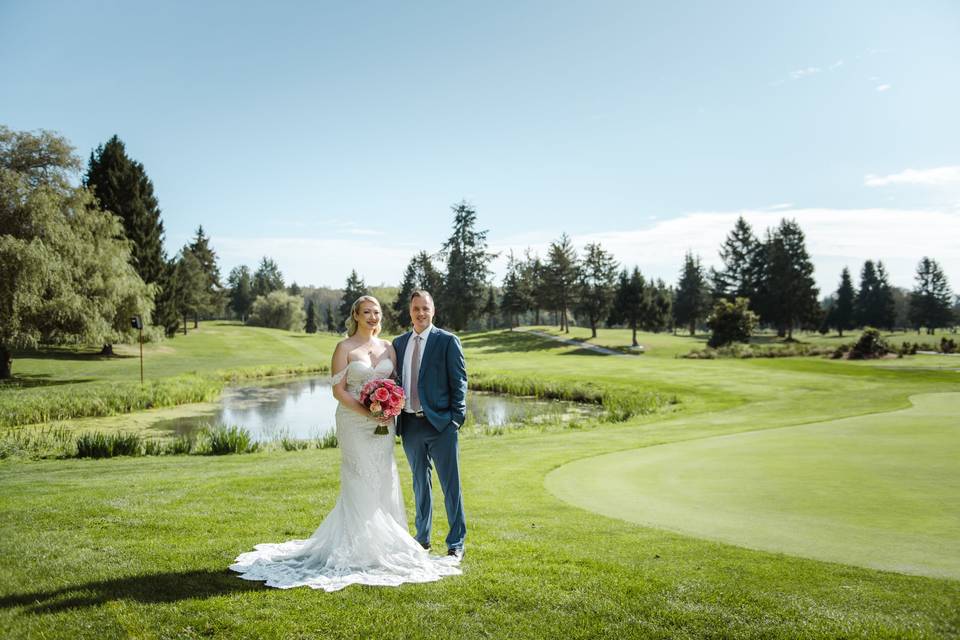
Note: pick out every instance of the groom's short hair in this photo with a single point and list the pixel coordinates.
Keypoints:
(422, 293)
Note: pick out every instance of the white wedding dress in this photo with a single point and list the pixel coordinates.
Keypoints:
(364, 539)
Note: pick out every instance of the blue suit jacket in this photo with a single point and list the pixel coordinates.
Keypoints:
(443, 378)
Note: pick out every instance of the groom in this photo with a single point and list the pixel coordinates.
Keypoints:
(434, 379)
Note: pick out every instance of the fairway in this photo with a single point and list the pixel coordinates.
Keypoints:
(877, 490)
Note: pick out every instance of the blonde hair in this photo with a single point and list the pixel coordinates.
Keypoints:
(352, 320)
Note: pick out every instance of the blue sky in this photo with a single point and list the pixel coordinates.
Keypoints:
(334, 136)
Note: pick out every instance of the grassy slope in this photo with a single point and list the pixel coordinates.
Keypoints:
(138, 546)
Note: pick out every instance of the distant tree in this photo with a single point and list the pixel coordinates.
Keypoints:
(191, 286)
(294, 289)
(211, 302)
(886, 307)
(419, 274)
(931, 300)
(468, 271)
(328, 320)
(534, 281)
(267, 278)
(278, 310)
(67, 274)
(874, 304)
(660, 307)
(631, 301)
(789, 291)
(843, 309)
(596, 283)
(740, 252)
(516, 298)
(692, 300)
(560, 278)
(731, 322)
(489, 310)
(241, 297)
(311, 326)
(355, 288)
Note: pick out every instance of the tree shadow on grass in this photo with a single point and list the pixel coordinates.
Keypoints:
(29, 381)
(154, 588)
(586, 352)
(63, 353)
(506, 341)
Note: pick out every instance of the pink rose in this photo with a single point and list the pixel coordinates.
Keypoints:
(381, 394)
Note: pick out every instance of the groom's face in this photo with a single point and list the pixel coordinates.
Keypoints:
(421, 312)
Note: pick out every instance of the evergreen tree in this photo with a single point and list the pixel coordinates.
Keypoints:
(67, 272)
(328, 319)
(211, 301)
(692, 302)
(419, 274)
(294, 289)
(731, 322)
(534, 279)
(659, 308)
(560, 278)
(842, 310)
(516, 299)
(931, 300)
(267, 278)
(789, 291)
(354, 288)
(886, 306)
(311, 325)
(596, 284)
(740, 253)
(468, 272)
(874, 305)
(166, 313)
(489, 310)
(631, 301)
(191, 286)
(240, 284)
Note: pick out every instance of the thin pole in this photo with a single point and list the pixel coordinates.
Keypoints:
(141, 355)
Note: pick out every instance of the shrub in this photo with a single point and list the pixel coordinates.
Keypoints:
(221, 440)
(108, 445)
(870, 345)
(731, 322)
(278, 310)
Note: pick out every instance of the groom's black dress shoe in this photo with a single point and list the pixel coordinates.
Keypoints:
(425, 545)
(456, 553)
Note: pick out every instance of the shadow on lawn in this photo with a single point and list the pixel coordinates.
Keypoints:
(153, 588)
(29, 381)
(506, 341)
(57, 353)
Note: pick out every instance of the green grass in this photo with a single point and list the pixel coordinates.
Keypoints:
(138, 547)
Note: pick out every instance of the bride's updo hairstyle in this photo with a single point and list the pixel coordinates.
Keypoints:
(352, 320)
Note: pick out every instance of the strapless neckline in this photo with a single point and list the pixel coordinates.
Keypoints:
(374, 367)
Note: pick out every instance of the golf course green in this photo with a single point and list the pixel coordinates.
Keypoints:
(877, 490)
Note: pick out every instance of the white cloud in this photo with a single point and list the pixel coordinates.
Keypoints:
(779, 206)
(803, 73)
(939, 176)
(884, 87)
(835, 65)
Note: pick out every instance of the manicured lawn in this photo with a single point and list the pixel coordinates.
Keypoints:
(138, 547)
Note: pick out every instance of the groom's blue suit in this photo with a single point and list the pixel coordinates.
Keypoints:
(432, 437)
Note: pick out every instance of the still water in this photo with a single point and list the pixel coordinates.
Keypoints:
(305, 408)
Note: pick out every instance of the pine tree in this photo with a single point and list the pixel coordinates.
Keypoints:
(241, 296)
(211, 302)
(328, 320)
(468, 272)
(534, 276)
(354, 288)
(631, 301)
(560, 278)
(842, 310)
(659, 308)
(419, 274)
(515, 298)
(789, 290)
(311, 325)
(931, 299)
(489, 310)
(739, 277)
(191, 283)
(267, 278)
(596, 284)
(692, 301)
(886, 307)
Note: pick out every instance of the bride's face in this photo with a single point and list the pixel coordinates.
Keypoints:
(368, 315)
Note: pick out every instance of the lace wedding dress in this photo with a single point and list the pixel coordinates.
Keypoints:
(364, 539)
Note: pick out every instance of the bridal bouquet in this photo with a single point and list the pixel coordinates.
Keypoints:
(384, 398)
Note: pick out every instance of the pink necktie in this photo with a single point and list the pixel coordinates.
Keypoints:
(415, 375)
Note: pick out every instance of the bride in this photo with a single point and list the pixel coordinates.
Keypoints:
(364, 539)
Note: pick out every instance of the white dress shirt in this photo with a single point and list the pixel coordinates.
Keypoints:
(407, 361)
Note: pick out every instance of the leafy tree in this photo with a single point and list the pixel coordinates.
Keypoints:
(468, 272)
(596, 284)
(843, 309)
(355, 288)
(740, 252)
(516, 298)
(692, 301)
(267, 278)
(930, 302)
(560, 278)
(631, 301)
(789, 290)
(311, 326)
(122, 187)
(66, 266)
(211, 300)
(731, 322)
(419, 274)
(278, 310)
(241, 296)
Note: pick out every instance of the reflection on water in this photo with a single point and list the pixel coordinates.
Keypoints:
(305, 409)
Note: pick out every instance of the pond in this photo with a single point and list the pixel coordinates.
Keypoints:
(305, 408)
